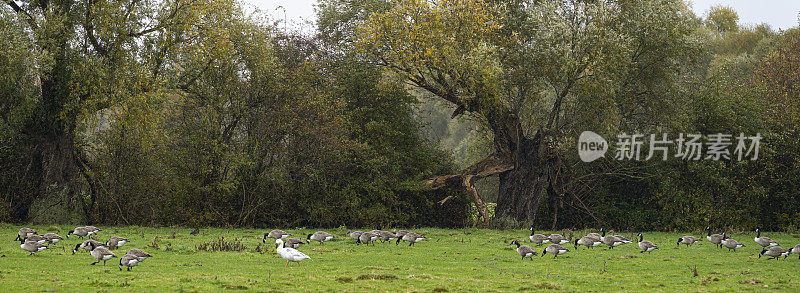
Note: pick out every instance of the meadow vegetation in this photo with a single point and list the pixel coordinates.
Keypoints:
(451, 260)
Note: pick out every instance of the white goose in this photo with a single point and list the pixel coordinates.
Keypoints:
(290, 254)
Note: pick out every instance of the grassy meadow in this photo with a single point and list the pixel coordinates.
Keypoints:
(450, 261)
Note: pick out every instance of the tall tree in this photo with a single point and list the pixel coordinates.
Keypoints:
(523, 67)
(89, 55)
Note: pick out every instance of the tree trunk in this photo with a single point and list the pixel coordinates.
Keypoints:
(526, 167)
(52, 131)
(521, 189)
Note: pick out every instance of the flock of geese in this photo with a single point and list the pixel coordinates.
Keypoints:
(769, 247)
(288, 249)
(286, 246)
(32, 242)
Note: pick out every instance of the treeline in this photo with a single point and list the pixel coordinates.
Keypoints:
(742, 79)
(193, 112)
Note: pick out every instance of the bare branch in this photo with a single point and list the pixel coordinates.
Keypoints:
(31, 21)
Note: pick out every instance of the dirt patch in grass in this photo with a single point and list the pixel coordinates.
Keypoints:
(376, 277)
(422, 276)
(97, 283)
(751, 282)
(542, 286)
(222, 245)
(234, 287)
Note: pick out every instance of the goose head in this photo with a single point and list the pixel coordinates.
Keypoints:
(279, 243)
(515, 242)
(679, 241)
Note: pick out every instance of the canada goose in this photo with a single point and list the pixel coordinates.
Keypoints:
(775, 252)
(764, 241)
(401, 233)
(32, 246)
(100, 253)
(587, 241)
(688, 240)
(555, 249)
(610, 240)
(275, 234)
(387, 236)
(35, 238)
(524, 250)
(294, 242)
(646, 246)
(290, 254)
(620, 237)
(558, 239)
(80, 232)
(85, 245)
(411, 238)
(538, 239)
(319, 236)
(53, 237)
(368, 237)
(796, 250)
(730, 244)
(116, 242)
(23, 233)
(92, 230)
(354, 234)
(129, 261)
(140, 254)
(716, 239)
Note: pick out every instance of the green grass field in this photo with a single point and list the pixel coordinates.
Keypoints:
(451, 261)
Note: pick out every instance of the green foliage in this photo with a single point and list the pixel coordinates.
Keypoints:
(722, 19)
(736, 96)
(194, 113)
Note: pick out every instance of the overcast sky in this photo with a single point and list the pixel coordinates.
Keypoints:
(780, 14)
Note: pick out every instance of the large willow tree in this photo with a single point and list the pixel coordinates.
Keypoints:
(533, 73)
(76, 59)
